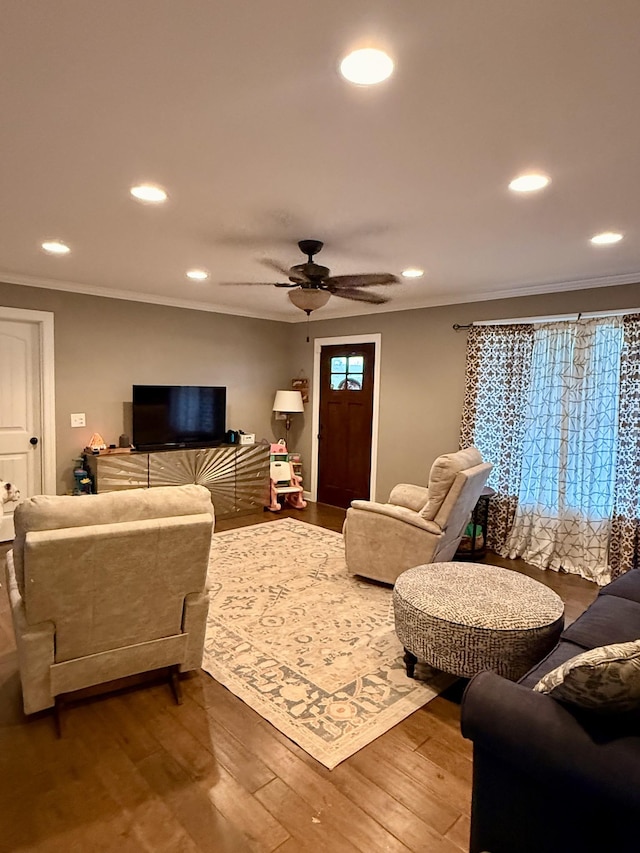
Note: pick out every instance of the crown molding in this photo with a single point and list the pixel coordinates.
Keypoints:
(533, 289)
(436, 301)
(133, 296)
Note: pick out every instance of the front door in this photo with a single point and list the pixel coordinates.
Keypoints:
(346, 423)
(20, 413)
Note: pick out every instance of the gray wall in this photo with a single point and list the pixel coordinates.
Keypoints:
(422, 372)
(104, 346)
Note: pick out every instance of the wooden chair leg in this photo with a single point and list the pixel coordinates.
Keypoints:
(174, 681)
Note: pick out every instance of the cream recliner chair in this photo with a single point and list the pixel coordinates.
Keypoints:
(106, 586)
(418, 525)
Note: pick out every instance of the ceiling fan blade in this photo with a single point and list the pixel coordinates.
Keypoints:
(364, 280)
(274, 265)
(293, 275)
(359, 295)
(259, 283)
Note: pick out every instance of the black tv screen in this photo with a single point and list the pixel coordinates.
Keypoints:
(178, 416)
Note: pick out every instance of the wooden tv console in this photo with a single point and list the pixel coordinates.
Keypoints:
(237, 476)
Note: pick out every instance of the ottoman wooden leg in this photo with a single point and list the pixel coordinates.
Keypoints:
(410, 661)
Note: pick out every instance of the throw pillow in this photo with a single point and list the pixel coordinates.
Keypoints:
(602, 679)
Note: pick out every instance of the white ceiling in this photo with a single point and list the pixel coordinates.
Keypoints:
(237, 109)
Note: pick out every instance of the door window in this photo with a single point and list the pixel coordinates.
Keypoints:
(347, 372)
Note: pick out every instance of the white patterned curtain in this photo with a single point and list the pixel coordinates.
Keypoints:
(565, 501)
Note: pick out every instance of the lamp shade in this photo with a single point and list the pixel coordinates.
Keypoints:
(288, 401)
(309, 299)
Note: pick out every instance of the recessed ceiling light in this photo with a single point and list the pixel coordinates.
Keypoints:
(197, 275)
(149, 192)
(55, 247)
(366, 66)
(606, 238)
(412, 272)
(529, 183)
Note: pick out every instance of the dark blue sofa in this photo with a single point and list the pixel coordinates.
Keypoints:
(550, 777)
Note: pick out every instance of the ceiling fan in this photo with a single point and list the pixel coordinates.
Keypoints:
(312, 285)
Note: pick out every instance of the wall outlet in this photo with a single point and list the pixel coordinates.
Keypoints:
(78, 419)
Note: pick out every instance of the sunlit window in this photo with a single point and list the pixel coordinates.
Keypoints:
(347, 372)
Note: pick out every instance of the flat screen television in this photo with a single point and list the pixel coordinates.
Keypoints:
(166, 416)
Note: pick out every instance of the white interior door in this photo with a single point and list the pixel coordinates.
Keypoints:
(22, 409)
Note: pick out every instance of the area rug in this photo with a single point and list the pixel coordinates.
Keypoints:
(309, 647)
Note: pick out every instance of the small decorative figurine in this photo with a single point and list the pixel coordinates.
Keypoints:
(96, 443)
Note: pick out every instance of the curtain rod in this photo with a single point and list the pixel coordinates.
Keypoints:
(556, 318)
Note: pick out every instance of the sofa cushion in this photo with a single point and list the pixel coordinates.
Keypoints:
(610, 619)
(443, 473)
(605, 679)
(626, 586)
(564, 651)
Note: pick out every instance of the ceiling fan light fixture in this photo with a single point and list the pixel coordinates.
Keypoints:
(367, 66)
(309, 299)
(412, 272)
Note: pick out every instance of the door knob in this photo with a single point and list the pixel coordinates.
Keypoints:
(33, 440)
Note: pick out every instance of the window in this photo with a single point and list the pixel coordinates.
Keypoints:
(347, 372)
(542, 404)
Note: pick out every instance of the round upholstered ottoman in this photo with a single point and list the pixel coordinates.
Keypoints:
(466, 617)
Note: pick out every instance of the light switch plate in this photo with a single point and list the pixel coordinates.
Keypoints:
(78, 419)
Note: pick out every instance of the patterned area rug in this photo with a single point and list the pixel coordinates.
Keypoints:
(309, 647)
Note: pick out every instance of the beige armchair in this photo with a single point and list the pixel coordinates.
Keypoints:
(106, 586)
(418, 525)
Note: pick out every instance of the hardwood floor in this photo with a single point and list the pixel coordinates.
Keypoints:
(135, 772)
